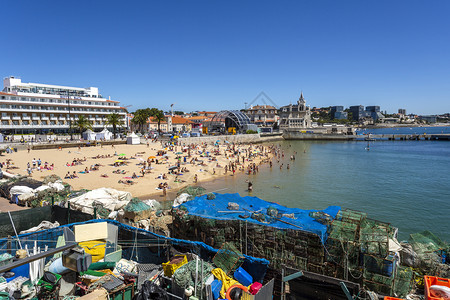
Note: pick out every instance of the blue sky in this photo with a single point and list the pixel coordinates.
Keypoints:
(214, 55)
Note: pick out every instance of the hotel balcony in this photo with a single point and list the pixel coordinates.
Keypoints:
(31, 126)
(26, 118)
(6, 117)
(16, 118)
(44, 118)
(35, 118)
(54, 118)
(62, 118)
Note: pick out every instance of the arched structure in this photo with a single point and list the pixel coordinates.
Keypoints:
(229, 118)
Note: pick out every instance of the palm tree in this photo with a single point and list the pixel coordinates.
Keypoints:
(114, 120)
(82, 123)
(158, 116)
(140, 117)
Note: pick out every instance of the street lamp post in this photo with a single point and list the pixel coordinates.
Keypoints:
(70, 119)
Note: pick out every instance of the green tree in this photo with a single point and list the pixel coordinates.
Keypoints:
(140, 117)
(158, 116)
(114, 120)
(82, 123)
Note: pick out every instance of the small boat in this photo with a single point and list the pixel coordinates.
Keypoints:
(369, 137)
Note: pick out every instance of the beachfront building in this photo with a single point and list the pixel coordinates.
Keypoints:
(44, 108)
(171, 124)
(295, 116)
(263, 115)
(180, 124)
(198, 122)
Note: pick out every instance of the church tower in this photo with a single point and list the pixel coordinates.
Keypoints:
(301, 103)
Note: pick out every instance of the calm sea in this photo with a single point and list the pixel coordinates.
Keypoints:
(405, 183)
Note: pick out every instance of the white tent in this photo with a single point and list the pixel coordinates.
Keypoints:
(133, 139)
(89, 135)
(104, 134)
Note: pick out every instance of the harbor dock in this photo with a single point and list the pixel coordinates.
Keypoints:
(405, 137)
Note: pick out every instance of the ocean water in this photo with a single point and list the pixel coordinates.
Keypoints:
(405, 183)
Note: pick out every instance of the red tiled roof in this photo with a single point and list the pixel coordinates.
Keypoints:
(180, 120)
(197, 118)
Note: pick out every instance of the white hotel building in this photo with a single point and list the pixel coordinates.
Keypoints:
(44, 108)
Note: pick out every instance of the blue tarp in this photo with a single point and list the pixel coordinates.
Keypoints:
(218, 209)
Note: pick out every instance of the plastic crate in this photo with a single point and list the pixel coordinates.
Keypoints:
(432, 280)
(243, 277)
(216, 286)
(47, 285)
(169, 268)
(127, 293)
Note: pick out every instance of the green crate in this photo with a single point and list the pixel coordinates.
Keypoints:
(127, 293)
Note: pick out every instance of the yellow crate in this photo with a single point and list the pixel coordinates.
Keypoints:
(96, 248)
(170, 268)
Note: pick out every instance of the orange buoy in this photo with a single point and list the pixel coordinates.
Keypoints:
(240, 286)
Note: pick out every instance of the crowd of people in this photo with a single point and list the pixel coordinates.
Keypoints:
(178, 164)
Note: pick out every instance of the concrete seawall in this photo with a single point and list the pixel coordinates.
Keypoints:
(240, 138)
(317, 136)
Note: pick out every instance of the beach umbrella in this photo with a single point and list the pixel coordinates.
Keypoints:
(175, 137)
(151, 157)
(173, 168)
(122, 154)
(119, 161)
(218, 141)
(179, 153)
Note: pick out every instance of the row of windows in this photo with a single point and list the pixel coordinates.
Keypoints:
(50, 91)
(42, 123)
(62, 108)
(42, 100)
(50, 115)
(260, 112)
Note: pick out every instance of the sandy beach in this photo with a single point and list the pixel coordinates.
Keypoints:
(141, 169)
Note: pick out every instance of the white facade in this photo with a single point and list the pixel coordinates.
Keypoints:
(295, 116)
(36, 107)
